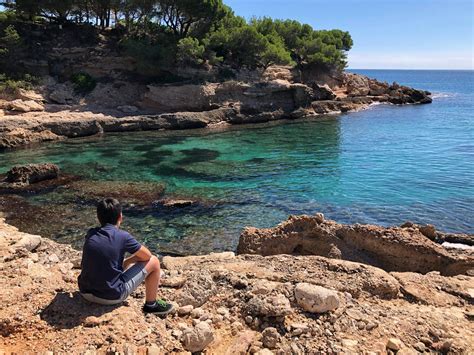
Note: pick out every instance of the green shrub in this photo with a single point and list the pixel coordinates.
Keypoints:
(189, 51)
(12, 85)
(83, 83)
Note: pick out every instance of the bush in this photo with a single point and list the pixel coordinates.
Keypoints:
(83, 83)
(189, 51)
(11, 85)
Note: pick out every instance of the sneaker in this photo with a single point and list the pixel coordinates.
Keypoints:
(160, 307)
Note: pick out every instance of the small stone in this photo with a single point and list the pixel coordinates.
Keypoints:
(197, 313)
(349, 343)
(248, 319)
(428, 231)
(53, 259)
(420, 347)
(427, 341)
(264, 352)
(371, 326)
(316, 299)
(319, 217)
(270, 337)
(153, 350)
(185, 310)
(222, 311)
(176, 333)
(394, 344)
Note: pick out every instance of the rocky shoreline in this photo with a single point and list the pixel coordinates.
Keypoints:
(55, 112)
(331, 302)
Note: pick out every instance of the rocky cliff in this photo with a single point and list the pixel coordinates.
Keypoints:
(58, 113)
(245, 304)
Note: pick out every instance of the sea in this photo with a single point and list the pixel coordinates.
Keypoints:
(384, 165)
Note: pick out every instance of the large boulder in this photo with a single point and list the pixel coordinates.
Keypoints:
(323, 92)
(62, 94)
(356, 85)
(32, 173)
(316, 299)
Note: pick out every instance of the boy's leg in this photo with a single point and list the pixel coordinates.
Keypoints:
(152, 280)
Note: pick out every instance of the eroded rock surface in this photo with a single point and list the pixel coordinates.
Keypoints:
(392, 249)
(377, 310)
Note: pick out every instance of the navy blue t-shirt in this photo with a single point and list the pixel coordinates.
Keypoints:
(102, 261)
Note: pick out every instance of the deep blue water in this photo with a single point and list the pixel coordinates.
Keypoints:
(385, 165)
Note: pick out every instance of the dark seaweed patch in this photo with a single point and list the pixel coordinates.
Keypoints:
(197, 155)
(256, 160)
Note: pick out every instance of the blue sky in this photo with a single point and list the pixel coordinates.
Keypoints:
(392, 34)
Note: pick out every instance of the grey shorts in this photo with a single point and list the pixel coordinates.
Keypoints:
(132, 277)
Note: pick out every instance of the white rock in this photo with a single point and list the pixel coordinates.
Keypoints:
(198, 338)
(29, 242)
(316, 299)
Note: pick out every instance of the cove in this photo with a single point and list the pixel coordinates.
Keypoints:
(385, 165)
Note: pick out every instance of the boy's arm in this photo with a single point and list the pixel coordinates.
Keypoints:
(143, 254)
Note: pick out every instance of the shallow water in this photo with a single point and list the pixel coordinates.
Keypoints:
(384, 165)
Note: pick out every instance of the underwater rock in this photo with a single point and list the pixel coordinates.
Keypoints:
(32, 173)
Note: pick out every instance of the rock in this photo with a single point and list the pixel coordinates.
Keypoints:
(316, 299)
(32, 173)
(420, 347)
(29, 242)
(356, 85)
(199, 288)
(25, 106)
(322, 92)
(393, 248)
(428, 231)
(319, 217)
(127, 108)
(269, 306)
(174, 98)
(185, 310)
(62, 94)
(198, 338)
(169, 203)
(270, 337)
(153, 350)
(264, 352)
(53, 259)
(394, 344)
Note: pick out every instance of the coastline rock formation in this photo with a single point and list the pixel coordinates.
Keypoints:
(404, 249)
(124, 106)
(226, 304)
(32, 173)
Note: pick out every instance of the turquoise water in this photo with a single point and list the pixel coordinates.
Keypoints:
(385, 165)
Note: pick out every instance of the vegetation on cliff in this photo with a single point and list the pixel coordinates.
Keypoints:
(164, 33)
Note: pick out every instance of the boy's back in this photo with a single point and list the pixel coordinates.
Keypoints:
(102, 261)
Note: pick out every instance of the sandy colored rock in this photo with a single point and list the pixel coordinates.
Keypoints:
(392, 249)
(316, 299)
(198, 338)
(32, 173)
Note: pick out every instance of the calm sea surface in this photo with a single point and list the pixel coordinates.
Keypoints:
(385, 165)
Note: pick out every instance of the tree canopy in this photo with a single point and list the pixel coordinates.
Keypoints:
(192, 32)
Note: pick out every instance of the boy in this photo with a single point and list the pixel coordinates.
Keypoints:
(103, 279)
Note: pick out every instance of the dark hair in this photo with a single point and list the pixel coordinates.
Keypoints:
(108, 211)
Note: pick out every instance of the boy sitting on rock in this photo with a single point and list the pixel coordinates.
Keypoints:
(106, 278)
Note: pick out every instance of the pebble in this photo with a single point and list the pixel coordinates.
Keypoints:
(420, 347)
(53, 259)
(270, 337)
(248, 319)
(185, 310)
(394, 344)
(197, 312)
(222, 311)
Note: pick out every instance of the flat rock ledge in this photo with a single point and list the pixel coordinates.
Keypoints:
(228, 304)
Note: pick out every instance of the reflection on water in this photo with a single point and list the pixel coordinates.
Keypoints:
(384, 166)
